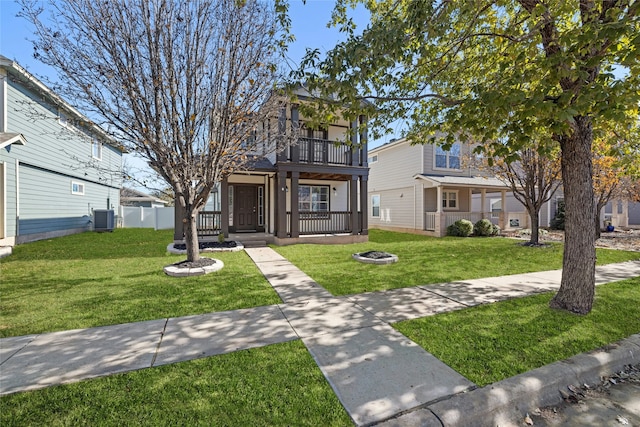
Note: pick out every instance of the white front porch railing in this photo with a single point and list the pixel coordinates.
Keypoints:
(511, 219)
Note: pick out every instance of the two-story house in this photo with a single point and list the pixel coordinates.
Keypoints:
(313, 189)
(56, 166)
(424, 189)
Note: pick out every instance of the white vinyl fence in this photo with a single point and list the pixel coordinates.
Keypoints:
(138, 217)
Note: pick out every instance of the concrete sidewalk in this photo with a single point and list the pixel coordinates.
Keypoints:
(378, 374)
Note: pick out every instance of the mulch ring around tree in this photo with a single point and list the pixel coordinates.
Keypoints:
(193, 268)
(375, 257)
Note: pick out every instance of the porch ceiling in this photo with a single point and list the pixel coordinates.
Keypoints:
(325, 176)
(488, 183)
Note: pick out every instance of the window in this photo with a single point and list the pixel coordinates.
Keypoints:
(375, 206)
(313, 198)
(450, 199)
(77, 188)
(496, 208)
(260, 206)
(448, 159)
(315, 133)
(96, 149)
(373, 158)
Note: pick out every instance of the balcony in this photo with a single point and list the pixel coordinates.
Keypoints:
(321, 152)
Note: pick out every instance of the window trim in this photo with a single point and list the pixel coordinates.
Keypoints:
(373, 215)
(311, 186)
(96, 143)
(447, 168)
(373, 159)
(446, 200)
(80, 188)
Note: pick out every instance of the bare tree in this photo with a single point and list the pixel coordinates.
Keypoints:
(182, 83)
(533, 178)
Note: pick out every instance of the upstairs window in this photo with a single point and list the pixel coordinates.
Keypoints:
(314, 133)
(448, 159)
(96, 149)
(373, 159)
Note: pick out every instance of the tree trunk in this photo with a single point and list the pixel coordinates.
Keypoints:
(577, 287)
(534, 215)
(190, 233)
(598, 228)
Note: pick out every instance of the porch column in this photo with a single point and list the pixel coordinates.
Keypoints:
(364, 151)
(353, 150)
(282, 136)
(295, 125)
(353, 203)
(483, 198)
(364, 204)
(178, 227)
(281, 205)
(438, 219)
(624, 220)
(224, 207)
(295, 213)
(503, 210)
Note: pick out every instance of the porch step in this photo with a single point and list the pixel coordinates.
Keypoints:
(254, 243)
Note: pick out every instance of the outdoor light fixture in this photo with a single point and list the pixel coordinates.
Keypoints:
(335, 192)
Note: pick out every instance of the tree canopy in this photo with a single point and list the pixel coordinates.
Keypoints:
(184, 84)
(496, 70)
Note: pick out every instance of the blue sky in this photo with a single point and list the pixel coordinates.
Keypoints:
(308, 20)
(309, 25)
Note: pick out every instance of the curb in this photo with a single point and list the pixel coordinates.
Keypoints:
(506, 402)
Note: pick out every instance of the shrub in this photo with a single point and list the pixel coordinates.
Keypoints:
(221, 237)
(484, 228)
(557, 223)
(495, 230)
(460, 228)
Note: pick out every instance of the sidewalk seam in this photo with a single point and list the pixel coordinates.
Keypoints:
(155, 354)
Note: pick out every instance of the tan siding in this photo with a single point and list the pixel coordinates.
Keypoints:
(395, 167)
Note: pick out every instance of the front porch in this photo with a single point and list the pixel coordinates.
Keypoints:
(436, 223)
(448, 199)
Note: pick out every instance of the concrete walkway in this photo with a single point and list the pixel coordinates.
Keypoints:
(378, 374)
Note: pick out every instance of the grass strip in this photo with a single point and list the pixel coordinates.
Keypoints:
(426, 260)
(96, 279)
(278, 385)
(496, 341)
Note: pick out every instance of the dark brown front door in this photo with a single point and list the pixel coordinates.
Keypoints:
(246, 207)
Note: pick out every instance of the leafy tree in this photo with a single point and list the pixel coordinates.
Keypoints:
(181, 83)
(493, 70)
(616, 163)
(533, 178)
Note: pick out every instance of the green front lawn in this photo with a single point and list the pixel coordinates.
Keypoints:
(278, 385)
(426, 260)
(95, 279)
(496, 341)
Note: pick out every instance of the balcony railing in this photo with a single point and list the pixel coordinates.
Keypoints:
(335, 222)
(209, 223)
(319, 151)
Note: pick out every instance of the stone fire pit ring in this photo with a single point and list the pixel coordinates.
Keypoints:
(375, 257)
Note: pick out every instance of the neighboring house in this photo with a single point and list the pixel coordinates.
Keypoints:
(619, 213)
(56, 167)
(313, 190)
(424, 189)
(131, 197)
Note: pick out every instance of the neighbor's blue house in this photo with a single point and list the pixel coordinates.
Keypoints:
(56, 166)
